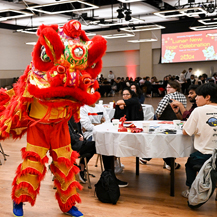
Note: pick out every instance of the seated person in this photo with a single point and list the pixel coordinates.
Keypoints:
(165, 112)
(129, 106)
(134, 87)
(173, 92)
(181, 112)
(82, 147)
(201, 124)
(91, 116)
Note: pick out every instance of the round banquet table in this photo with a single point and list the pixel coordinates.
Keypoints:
(147, 145)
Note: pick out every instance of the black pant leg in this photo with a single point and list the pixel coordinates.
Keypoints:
(87, 147)
(108, 162)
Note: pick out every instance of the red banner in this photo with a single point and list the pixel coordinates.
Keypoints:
(189, 46)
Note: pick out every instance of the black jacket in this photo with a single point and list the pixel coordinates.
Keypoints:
(132, 110)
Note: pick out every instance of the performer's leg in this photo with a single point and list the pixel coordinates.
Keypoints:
(64, 169)
(26, 183)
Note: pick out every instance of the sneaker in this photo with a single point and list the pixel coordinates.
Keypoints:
(18, 209)
(186, 193)
(142, 160)
(81, 177)
(74, 212)
(121, 184)
(177, 166)
(117, 163)
(122, 166)
(118, 170)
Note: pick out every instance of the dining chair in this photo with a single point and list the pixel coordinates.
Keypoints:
(3, 153)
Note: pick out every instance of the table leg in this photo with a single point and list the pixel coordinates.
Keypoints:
(172, 177)
(112, 164)
(137, 166)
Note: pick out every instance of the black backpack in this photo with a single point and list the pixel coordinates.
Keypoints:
(107, 189)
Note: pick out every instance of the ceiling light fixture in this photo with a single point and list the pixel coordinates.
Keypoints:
(197, 28)
(190, 12)
(129, 1)
(13, 14)
(209, 21)
(142, 28)
(28, 30)
(143, 40)
(123, 35)
(46, 7)
(117, 22)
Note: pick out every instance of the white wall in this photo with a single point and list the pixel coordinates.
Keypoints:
(15, 55)
(121, 57)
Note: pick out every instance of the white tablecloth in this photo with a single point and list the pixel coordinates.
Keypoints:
(148, 111)
(150, 145)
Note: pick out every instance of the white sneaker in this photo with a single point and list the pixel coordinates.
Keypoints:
(142, 161)
(122, 166)
(186, 193)
(118, 170)
(177, 166)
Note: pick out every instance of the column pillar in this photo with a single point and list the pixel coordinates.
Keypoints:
(145, 56)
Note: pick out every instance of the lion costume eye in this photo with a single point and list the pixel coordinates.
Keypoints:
(44, 57)
(78, 52)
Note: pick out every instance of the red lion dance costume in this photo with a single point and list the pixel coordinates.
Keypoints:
(60, 79)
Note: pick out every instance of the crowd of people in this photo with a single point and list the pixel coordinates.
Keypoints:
(149, 85)
(172, 106)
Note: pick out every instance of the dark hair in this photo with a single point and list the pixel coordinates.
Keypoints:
(138, 89)
(208, 89)
(193, 87)
(174, 84)
(190, 69)
(132, 93)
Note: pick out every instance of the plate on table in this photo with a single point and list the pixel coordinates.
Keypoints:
(128, 122)
(165, 122)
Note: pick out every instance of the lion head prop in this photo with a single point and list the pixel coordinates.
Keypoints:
(63, 71)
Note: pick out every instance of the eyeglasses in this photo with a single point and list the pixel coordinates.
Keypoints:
(127, 94)
(169, 87)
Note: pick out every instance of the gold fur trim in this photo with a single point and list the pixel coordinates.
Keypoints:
(41, 151)
(23, 191)
(30, 179)
(32, 164)
(65, 152)
(64, 197)
(64, 184)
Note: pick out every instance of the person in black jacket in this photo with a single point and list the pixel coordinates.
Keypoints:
(82, 147)
(88, 147)
(129, 106)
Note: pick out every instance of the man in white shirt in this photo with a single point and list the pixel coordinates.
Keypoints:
(111, 76)
(188, 74)
(91, 116)
(202, 123)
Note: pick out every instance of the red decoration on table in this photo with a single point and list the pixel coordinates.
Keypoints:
(122, 120)
(121, 126)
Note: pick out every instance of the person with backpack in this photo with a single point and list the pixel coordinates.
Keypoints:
(202, 123)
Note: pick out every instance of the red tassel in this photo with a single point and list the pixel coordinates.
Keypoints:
(73, 185)
(28, 154)
(23, 198)
(74, 170)
(70, 202)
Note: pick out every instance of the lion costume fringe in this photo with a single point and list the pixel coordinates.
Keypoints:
(59, 80)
